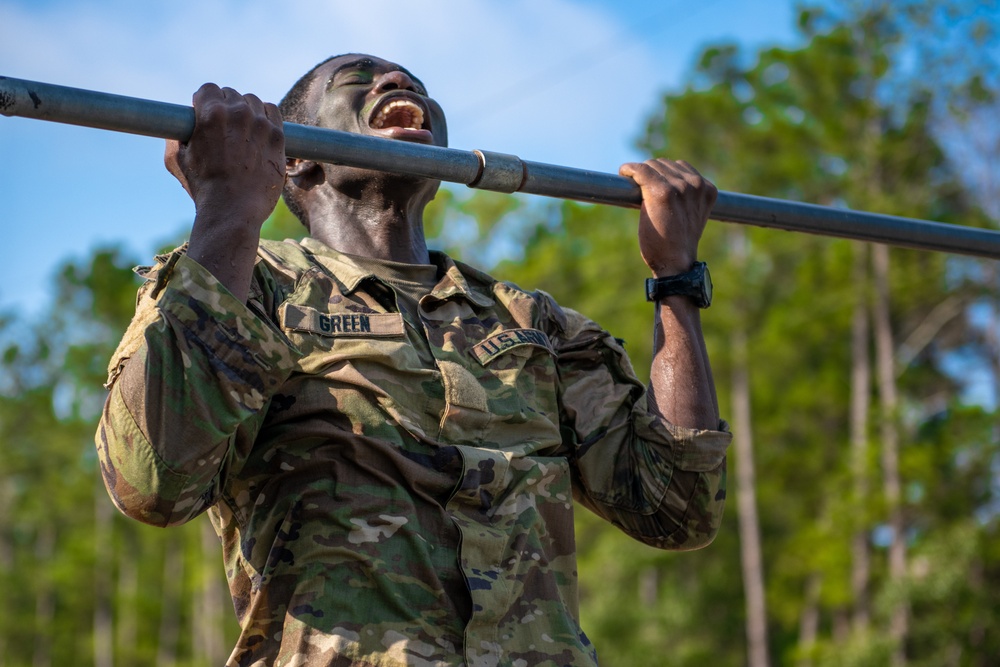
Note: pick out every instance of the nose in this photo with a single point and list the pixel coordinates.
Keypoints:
(395, 80)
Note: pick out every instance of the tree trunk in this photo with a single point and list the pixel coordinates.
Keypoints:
(746, 489)
(649, 586)
(170, 622)
(104, 644)
(45, 600)
(860, 406)
(6, 561)
(208, 605)
(890, 444)
(128, 605)
(993, 333)
(809, 620)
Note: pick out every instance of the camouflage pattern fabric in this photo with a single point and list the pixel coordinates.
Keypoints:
(375, 509)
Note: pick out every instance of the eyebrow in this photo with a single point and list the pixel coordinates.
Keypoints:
(368, 63)
(359, 63)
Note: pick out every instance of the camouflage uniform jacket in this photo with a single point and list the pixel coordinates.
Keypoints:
(393, 488)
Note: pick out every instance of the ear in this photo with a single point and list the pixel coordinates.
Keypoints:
(305, 174)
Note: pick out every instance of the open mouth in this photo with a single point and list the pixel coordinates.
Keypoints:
(398, 114)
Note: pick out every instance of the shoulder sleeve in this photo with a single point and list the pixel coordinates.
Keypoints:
(661, 483)
(187, 388)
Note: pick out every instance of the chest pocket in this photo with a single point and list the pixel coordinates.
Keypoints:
(326, 325)
(515, 369)
(357, 362)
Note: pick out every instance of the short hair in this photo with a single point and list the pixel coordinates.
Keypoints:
(295, 108)
(293, 105)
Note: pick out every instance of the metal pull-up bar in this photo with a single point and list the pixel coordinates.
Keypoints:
(485, 169)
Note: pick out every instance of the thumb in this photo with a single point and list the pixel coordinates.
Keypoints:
(172, 156)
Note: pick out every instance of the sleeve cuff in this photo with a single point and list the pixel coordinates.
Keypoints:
(700, 450)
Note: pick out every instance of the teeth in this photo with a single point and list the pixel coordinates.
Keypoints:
(412, 114)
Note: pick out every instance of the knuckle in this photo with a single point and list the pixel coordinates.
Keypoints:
(212, 111)
(207, 91)
(259, 122)
(239, 108)
(273, 111)
(646, 173)
(660, 190)
(277, 134)
(264, 127)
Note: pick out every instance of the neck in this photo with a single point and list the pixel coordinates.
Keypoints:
(363, 219)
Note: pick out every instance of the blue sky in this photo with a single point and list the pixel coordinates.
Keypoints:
(560, 81)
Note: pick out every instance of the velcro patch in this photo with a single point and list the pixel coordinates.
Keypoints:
(497, 344)
(304, 318)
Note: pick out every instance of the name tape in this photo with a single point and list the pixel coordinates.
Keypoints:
(304, 318)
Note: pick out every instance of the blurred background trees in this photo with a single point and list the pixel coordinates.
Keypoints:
(861, 382)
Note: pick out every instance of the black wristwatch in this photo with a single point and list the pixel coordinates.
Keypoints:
(696, 284)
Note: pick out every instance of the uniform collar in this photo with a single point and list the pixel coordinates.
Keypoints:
(455, 280)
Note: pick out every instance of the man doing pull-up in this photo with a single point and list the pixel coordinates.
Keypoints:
(389, 442)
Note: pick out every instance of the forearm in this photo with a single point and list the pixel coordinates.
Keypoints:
(225, 243)
(681, 387)
(656, 466)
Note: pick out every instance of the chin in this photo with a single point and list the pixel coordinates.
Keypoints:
(358, 182)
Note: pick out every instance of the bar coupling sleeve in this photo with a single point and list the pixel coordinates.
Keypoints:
(499, 172)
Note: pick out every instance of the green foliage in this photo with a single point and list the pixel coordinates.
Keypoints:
(478, 227)
(282, 225)
(812, 124)
(63, 551)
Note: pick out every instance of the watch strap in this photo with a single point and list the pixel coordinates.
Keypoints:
(694, 284)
